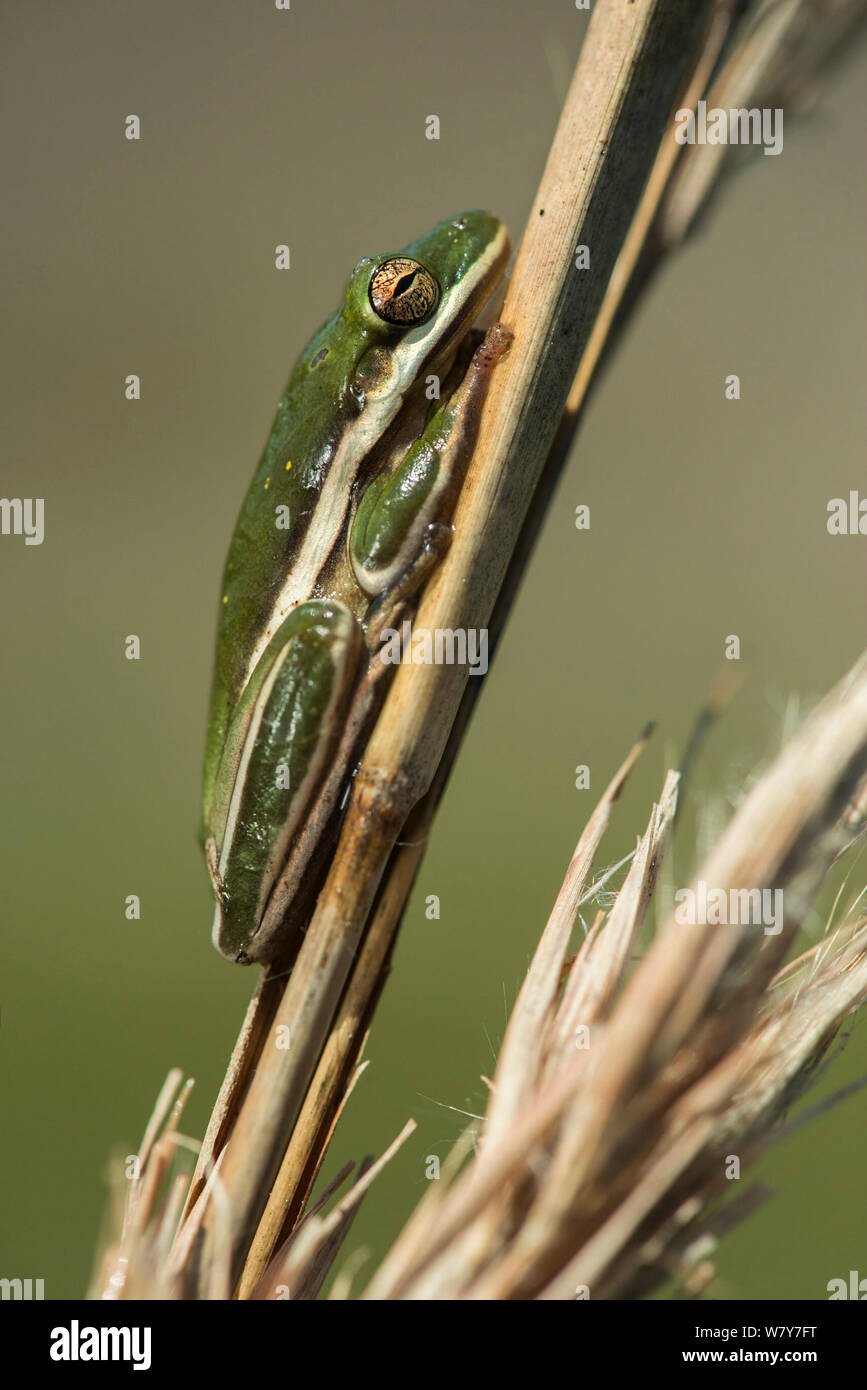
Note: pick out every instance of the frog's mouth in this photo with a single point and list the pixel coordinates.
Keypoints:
(490, 311)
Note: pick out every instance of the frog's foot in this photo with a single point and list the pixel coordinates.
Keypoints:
(392, 606)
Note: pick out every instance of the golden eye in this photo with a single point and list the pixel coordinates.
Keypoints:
(402, 291)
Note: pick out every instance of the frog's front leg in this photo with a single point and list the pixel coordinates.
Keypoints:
(400, 529)
(280, 743)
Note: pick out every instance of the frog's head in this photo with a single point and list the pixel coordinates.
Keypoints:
(415, 304)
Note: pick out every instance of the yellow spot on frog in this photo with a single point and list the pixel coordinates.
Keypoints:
(225, 598)
(267, 481)
(288, 465)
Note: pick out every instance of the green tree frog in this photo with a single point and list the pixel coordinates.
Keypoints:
(348, 511)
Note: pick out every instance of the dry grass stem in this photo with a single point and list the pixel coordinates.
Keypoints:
(632, 67)
(626, 1096)
(619, 1100)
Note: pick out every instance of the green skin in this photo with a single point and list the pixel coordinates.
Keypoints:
(372, 479)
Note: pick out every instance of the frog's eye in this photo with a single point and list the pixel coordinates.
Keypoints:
(402, 291)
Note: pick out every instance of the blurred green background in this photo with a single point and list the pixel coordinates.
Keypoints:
(708, 518)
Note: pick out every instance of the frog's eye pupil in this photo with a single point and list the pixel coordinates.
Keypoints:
(403, 284)
(403, 291)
